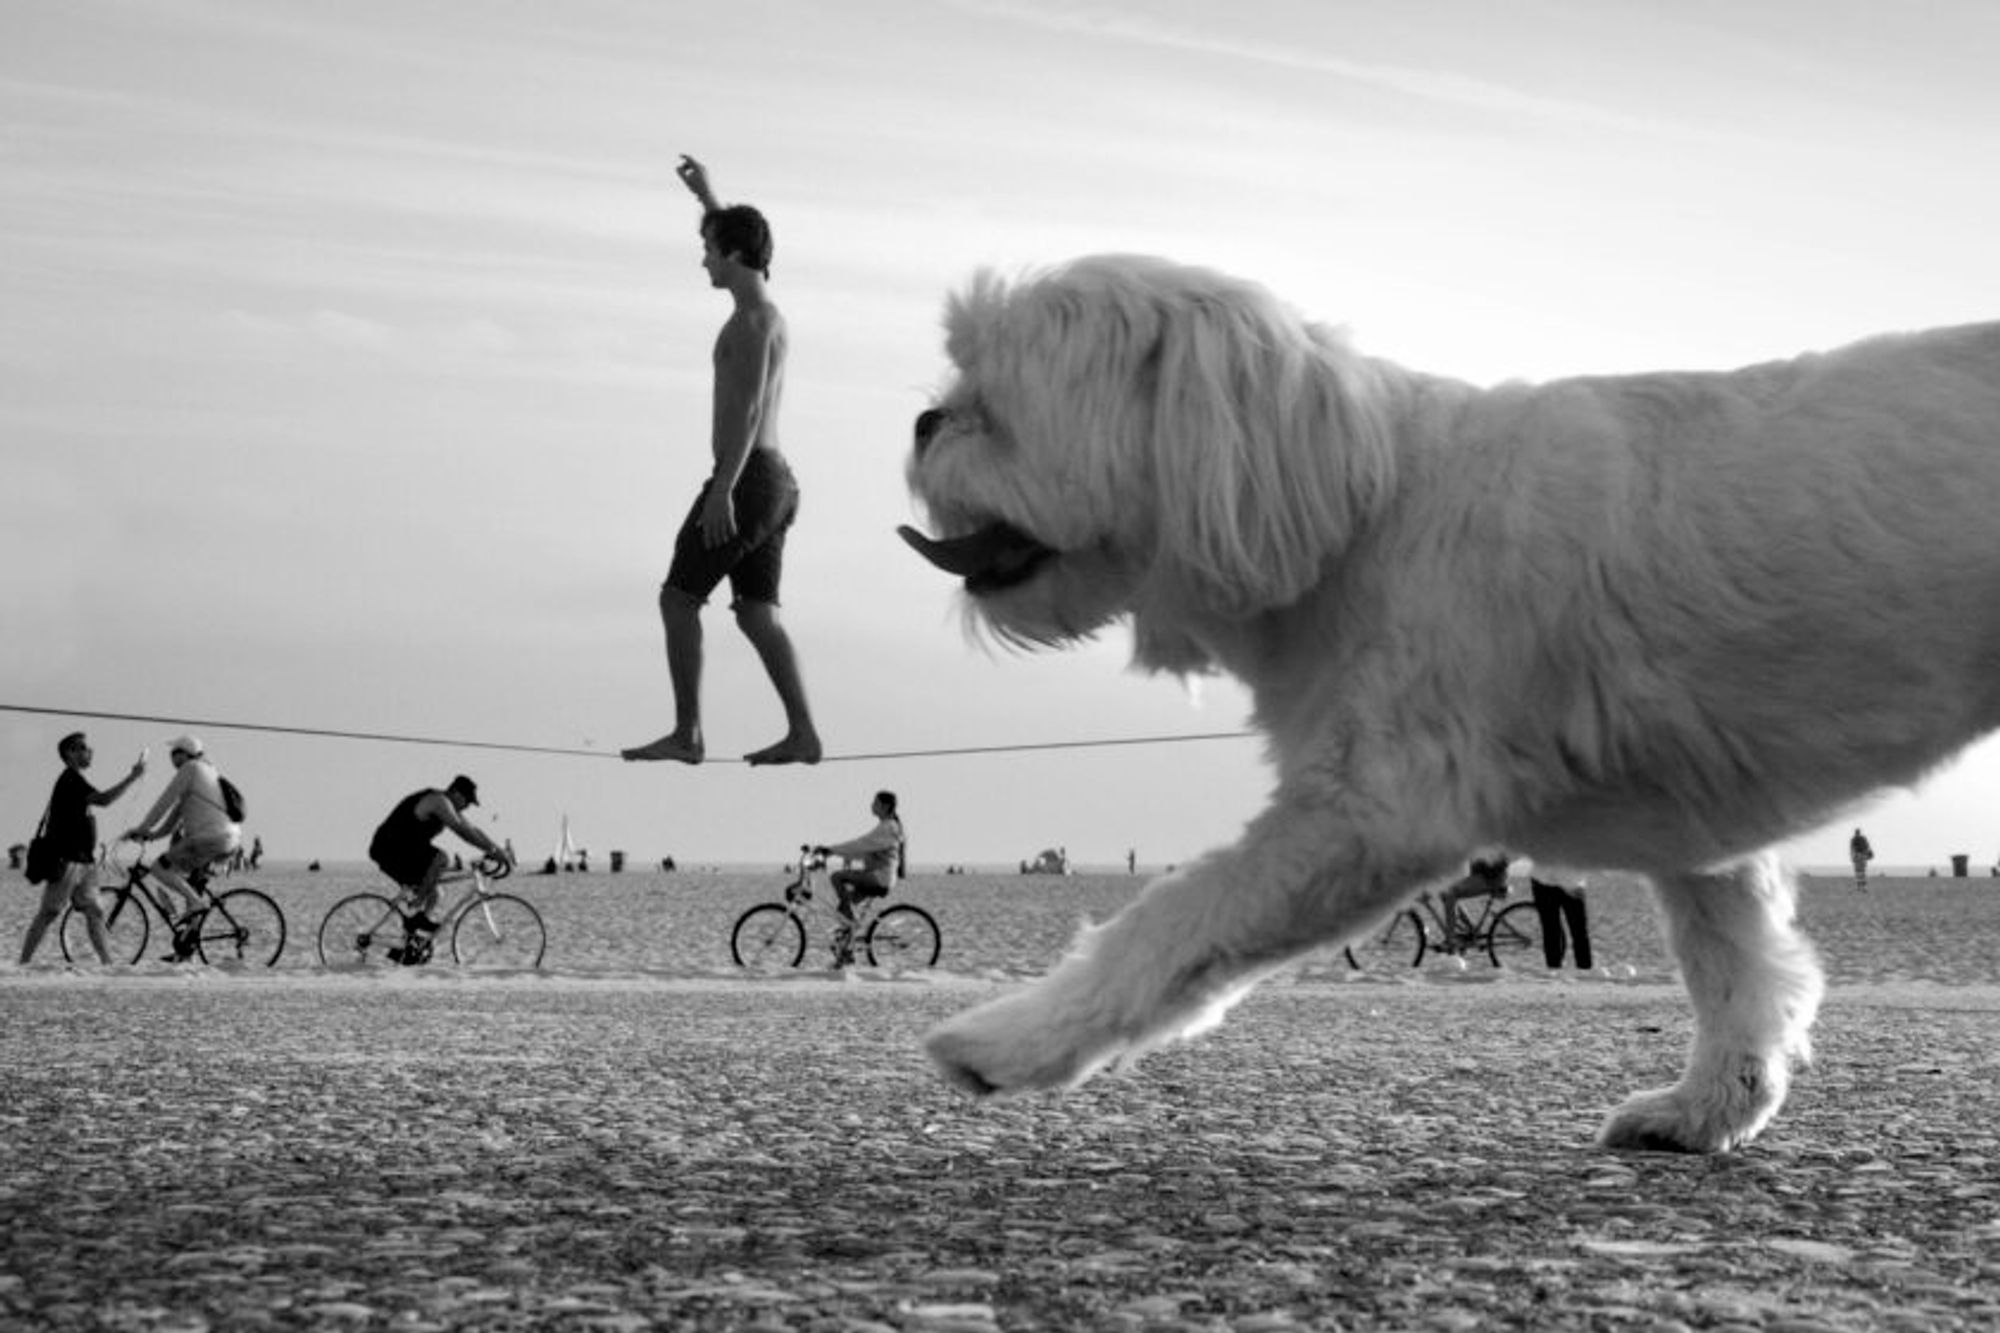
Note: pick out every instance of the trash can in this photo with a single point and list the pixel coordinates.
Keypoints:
(617, 862)
(1958, 864)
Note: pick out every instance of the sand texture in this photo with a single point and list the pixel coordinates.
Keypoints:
(638, 1137)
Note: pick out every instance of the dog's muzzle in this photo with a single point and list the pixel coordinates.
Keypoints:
(997, 556)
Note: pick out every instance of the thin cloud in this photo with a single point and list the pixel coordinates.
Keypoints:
(1440, 87)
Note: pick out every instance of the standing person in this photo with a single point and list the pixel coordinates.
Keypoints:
(192, 810)
(1557, 905)
(880, 851)
(1860, 853)
(737, 526)
(405, 844)
(73, 827)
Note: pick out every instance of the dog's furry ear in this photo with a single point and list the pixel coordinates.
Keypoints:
(1271, 444)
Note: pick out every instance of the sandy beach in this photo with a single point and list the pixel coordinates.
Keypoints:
(639, 1137)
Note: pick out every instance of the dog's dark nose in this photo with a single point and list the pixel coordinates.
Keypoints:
(928, 422)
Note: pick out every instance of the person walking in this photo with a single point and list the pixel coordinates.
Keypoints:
(72, 826)
(1860, 853)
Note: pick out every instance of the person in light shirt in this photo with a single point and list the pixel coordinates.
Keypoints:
(192, 812)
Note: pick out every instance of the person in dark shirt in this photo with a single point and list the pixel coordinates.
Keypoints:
(73, 826)
(404, 847)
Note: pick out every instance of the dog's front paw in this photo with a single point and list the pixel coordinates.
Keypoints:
(1012, 1045)
(1696, 1116)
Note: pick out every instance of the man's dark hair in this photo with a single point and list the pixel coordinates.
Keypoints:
(888, 799)
(68, 742)
(740, 230)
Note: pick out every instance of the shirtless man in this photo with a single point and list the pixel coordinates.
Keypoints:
(737, 526)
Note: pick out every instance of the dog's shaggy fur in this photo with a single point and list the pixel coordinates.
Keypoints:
(1651, 622)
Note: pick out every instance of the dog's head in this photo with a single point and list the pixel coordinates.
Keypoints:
(1128, 437)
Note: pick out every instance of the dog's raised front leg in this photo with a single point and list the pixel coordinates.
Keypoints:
(1180, 954)
(1756, 986)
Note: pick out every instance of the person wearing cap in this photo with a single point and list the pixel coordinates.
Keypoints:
(72, 823)
(405, 846)
(190, 809)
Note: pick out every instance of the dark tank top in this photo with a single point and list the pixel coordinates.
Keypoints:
(405, 832)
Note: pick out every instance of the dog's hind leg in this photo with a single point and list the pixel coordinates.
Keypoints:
(1756, 986)
(1180, 954)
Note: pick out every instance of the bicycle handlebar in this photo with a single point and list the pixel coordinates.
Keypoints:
(495, 866)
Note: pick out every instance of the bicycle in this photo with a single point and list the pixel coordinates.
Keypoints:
(364, 931)
(241, 926)
(772, 936)
(1501, 933)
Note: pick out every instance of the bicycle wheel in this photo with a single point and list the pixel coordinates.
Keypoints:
(767, 938)
(244, 927)
(360, 932)
(1516, 937)
(1403, 938)
(127, 926)
(499, 931)
(903, 936)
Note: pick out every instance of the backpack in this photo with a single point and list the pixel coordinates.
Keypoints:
(232, 800)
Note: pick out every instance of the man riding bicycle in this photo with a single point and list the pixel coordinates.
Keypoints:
(192, 809)
(404, 847)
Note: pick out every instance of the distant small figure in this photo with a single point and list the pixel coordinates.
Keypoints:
(256, 851)
(1483, 879)
(1132, 861)
(667, 864)
(1860, 853)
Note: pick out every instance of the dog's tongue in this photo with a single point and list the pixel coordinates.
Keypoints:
(995, 555)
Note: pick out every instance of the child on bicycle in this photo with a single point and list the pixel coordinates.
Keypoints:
(404, 846)
(1484, 879)
(881, 853)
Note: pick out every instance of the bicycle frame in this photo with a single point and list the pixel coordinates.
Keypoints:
(479, 887)
(815, 884)
(1475, 929)
(137, 885)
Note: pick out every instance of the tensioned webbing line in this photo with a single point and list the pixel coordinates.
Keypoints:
(330, 733)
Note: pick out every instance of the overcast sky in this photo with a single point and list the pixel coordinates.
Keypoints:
(354, 362)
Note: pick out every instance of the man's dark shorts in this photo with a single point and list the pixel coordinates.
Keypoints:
(409, 867)
(766, 502)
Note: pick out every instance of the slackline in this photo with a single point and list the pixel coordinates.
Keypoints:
(329, 733)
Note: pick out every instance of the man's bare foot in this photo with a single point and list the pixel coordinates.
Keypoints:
(791, 750)
(670, 746)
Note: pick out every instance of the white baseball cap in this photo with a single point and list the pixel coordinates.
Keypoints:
(187, 745)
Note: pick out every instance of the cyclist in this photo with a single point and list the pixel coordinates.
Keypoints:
(72, 823)
(881, 853)
(404, 846)
(1484, 879)
(192, 810)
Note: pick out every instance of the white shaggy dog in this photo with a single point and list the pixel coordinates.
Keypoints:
(1653, 622)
